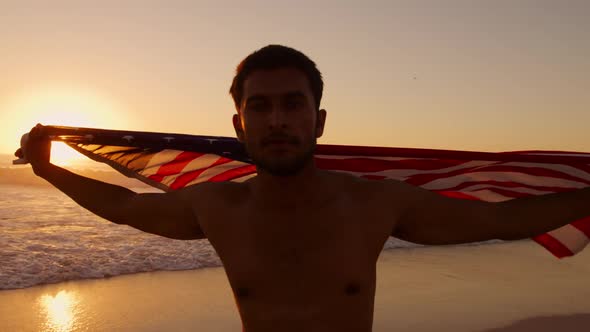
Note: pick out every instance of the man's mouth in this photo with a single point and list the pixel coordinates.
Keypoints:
(279, 141)
(281, 145)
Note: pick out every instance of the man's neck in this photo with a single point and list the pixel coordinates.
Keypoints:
(299, 187)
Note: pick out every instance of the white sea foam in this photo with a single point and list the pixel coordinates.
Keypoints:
(45, 237)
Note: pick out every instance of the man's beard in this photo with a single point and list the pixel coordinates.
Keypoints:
(284, 167)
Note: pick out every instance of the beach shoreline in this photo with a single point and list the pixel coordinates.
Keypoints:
(515, 286)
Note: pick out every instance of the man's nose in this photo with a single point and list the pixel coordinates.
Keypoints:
(277, 117)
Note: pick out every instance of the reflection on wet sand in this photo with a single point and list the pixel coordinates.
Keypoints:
(60, 311)
(548, 324)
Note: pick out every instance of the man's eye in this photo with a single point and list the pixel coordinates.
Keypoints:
(256, 107)
(294, 104)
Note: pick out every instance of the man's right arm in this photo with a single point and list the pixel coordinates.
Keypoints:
(166, 214)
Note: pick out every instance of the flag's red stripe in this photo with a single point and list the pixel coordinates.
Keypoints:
(508, 184)
(458, 194)
(373, 177)
(553, 245)
(156, 177)
(181, 180)
(174, 166)
(505, 192)
(178, 164)
(188, 177)
(582, 167)
(533, 170)
(234, 173)
(583, 225)
(421, 179)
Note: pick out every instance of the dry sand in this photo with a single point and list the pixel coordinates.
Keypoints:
(506, 287)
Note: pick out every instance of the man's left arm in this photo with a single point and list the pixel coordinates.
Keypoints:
(429, 218)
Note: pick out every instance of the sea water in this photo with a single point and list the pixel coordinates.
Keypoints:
(45, 237)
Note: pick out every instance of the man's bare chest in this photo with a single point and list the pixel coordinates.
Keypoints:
(302, 237)
(306, 248)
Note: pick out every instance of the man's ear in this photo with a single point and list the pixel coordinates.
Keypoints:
(320, 122)
(238, 127)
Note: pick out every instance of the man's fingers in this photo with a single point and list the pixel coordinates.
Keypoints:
(19, 153)
(36, 131)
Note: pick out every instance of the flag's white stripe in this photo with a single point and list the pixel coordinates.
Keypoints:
(488, 196)
(532, 180)
(168, 180)
(244, 178)
(201, 162)
(565, 169)
(213, 171)
(571, 237)
(158, 160)
(516, 189)
(402, 174)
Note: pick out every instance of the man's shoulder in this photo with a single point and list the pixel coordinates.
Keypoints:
(215, 191)
(358, 183)
(385, 192)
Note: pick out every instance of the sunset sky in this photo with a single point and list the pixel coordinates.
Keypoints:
(464, 75)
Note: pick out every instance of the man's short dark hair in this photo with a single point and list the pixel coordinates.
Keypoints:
(275, 57)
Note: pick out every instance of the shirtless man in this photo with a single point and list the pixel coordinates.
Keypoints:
(300, 245)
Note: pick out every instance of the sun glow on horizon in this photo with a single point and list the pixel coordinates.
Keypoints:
(63, 155)
(60, 106)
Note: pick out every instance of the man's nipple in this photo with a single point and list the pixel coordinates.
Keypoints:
(242, 292)
(352, 288)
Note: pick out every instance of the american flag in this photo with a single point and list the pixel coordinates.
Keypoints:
(173, 161)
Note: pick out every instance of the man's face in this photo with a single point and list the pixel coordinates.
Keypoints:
(277, 121)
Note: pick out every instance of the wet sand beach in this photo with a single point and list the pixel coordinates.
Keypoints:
(504, 287)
